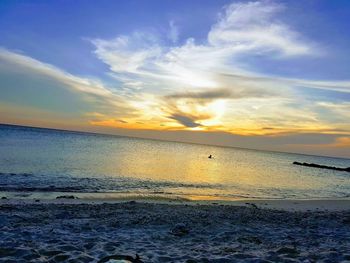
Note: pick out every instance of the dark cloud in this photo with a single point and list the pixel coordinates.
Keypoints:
(207, 94)
(223, 93)
(184, 120)
(204, 97)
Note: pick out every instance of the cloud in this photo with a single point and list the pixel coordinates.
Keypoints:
(92, 91)
(127, 53)
(254, 26)
(340, 111)
(185, 120)
(202, 95)
(204, 85)
(222, 93)
(341, 143)
(173, 33)
(340, 86)
(207, 84)
(242, 29)
(76, 83)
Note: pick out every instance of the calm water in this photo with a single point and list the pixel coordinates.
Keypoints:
(42, 162)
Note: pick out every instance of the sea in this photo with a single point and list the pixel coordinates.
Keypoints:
(47, 163)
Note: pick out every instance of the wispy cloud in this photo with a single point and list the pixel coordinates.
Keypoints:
(92, 91)
(254, 27)
(173, 33)
(79, 84)
(222, 93)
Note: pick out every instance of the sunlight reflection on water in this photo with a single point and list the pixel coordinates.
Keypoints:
(93, 163)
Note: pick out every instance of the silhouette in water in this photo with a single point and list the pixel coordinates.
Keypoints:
(323, 166)
(210, 156)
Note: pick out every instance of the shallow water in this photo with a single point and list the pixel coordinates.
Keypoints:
(42, 162)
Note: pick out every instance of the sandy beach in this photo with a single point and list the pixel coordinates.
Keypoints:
(241, 231)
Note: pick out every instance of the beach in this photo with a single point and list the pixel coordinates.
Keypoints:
(73, 230)
(79, 197)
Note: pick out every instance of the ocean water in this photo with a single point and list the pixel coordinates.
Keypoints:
(46, 163)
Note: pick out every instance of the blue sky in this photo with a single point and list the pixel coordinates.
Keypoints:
(257, 69)
(64, 26)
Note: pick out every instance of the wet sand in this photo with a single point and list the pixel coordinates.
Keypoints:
(177, 231)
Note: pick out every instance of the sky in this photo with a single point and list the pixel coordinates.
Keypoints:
(268, 74)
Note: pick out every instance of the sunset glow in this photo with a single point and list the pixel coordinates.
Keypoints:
(256, 71)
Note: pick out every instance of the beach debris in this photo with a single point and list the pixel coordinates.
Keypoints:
(121, 259)
(180, 229)
(66, 197)
(210, 156)
(314, 165)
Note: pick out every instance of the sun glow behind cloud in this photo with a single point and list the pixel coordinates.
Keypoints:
(204, 85)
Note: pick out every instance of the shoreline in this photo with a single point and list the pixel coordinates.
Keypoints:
(301, 205)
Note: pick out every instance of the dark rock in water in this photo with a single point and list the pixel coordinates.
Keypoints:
(126, 259)
(4, 198)
(180, 230)
(66, 197)
(314, 165)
